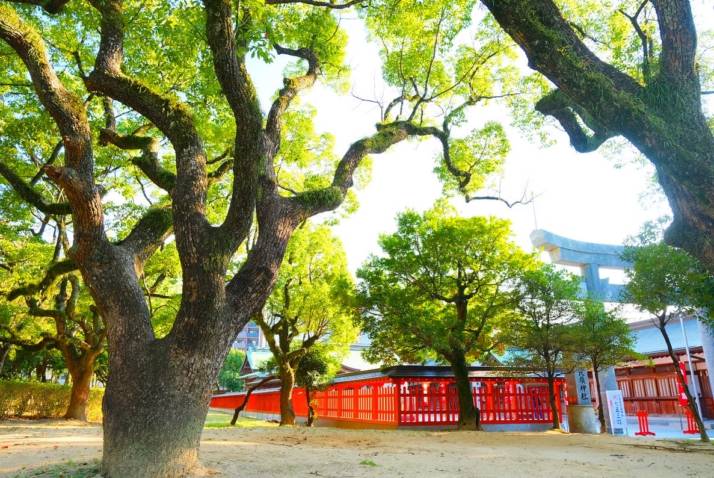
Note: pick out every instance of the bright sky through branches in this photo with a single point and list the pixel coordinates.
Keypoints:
(598, 197)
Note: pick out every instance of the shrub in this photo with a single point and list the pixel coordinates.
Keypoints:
(43, 400)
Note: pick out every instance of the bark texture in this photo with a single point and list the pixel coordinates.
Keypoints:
(158, 389)
(469, 418)
(661, 116)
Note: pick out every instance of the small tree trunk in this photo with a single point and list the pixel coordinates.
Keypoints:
(79, 395)
(552, 400)
(310, 409)
(40, 372)
(248, 393)
(4, 351)
(287, 383)
(469, 418)
(600, 407)
(690, 399)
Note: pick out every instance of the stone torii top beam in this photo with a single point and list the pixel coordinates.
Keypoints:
(589, 257)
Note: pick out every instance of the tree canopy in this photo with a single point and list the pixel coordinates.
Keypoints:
(312, 304)
(668, 283)
(443, 288)
(542, 334)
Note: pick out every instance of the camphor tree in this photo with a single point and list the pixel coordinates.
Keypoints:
(603, 340)
(56, 316)
(629, 68)
(667, 282)
(444, 288)
(317, 367)
(544, 331)
(312, 302)
(155, 100)
(230, 371)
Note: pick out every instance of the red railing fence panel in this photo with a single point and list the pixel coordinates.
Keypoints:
(413, 401)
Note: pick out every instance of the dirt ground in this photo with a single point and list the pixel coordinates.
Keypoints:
(59, 448)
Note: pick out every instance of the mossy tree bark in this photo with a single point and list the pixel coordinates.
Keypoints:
(158, 389)
(661, 116)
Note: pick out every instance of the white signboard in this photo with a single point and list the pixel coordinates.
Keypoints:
(616, 409)
(582, 384)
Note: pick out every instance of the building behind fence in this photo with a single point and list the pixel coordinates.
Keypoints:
(408, 396)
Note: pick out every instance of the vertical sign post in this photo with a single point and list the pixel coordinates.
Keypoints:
(582, 385)
(616, 409)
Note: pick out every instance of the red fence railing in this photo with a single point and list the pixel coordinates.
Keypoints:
(413, 401)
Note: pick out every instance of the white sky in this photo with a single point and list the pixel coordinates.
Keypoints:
(583, 196)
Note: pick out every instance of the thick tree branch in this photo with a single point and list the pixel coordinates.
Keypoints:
(27, 193)
(326, 199)
(51, 274)
(679, 40)
(239, 91)
(291, 88)
(552, 47)
(50, 6)
(316, 3)
(68, 112)
(148, 161)
(149, 233)
(557, 105)
(46, 341)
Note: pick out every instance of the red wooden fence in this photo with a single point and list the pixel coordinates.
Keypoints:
(413, 401)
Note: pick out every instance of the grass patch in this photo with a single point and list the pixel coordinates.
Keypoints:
(223, 420)
(367, 463)
(70, 469)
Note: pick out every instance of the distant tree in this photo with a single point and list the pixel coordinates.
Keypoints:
(442, 289)
(230, 371)
(667, 282)
(544, 331)
(604, 340)
(311, 303)
(317, 367)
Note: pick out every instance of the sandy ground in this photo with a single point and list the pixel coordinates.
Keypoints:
(28, 446)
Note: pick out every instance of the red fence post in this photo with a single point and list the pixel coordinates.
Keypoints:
(643, 422)
(692, 428)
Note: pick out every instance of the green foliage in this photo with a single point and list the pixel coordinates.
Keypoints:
(665, 280)
(228, 376)
(601, 337)
(43, 400)
(544, 333)
(313, 296)
(316, 368)
(432, 262)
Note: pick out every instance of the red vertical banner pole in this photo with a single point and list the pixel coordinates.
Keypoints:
(339, 401)
(375, 402)
(398, 399)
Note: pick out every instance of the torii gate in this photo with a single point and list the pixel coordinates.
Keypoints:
(589, 257)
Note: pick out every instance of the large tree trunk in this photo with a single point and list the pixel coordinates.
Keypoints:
(469, 418)
(600, 407)
(154, 412)
(79, 395)
(552, 399)
(287, 383)
(692, 404)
